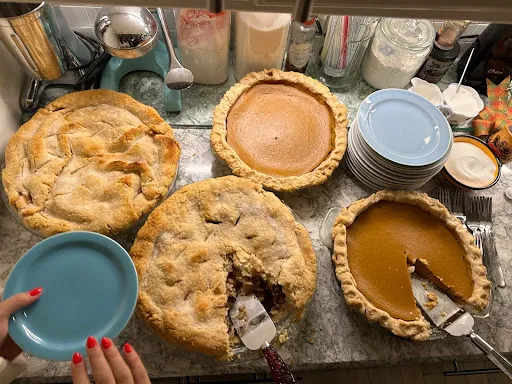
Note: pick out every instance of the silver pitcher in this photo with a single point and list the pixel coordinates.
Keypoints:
(30, 33)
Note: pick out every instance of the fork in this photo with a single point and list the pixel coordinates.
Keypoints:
(488, 241)
(458, 206)
(444, 198)
(473, 222)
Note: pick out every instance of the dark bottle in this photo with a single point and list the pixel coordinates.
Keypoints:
(438, 63)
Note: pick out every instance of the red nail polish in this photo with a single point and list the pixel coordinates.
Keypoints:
(35, 291)
(77, 358)
(106, 343)
(91, 342)
(127, 348)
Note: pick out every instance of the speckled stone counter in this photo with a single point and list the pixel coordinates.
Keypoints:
(330, 335)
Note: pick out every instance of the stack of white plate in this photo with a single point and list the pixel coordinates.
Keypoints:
(399, 140)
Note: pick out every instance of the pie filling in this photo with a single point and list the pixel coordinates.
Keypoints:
(388, 238)
(238, 284)
(280, 130)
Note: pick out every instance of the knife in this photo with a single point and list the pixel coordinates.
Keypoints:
(256, 330)
(451, 318)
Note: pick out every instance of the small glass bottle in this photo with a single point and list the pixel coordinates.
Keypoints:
(300, 45)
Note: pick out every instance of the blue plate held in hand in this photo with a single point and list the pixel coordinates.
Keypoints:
(89, 286)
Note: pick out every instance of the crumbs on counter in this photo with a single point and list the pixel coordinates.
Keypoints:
(431, 302)
(283, 336)
(443, 314)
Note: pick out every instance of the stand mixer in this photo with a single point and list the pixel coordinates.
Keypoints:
(50, 55)
(129, 34)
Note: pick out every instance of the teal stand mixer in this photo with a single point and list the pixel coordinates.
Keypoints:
(129, 34)
(156, 61)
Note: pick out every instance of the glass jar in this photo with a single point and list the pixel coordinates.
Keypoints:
(398, 49)
(346, 40)
(300, 45)
(260, 41)
(203, 39)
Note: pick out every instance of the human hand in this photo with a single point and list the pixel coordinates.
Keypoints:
(108, 366)
(8, 348)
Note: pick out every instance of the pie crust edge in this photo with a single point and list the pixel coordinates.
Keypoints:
(420, 329)
(183, 334)
(320, 174)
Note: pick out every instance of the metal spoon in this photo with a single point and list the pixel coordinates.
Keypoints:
(178, 76)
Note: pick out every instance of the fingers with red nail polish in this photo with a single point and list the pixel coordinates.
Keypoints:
(91, 342)
(127, 348)
(106, 343)
(79, 370)
(36, 291)
(107, 364)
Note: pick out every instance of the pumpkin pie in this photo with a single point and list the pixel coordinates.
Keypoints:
(380, 240)
(95, 160)
(209, 242)
(284, 130)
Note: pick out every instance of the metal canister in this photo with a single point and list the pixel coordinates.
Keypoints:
(30, 33)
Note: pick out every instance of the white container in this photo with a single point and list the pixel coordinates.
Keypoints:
(260, 41)
(203, 39)
(465, 104)
(398, 49)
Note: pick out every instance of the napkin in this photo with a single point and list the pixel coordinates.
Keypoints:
(498, 113)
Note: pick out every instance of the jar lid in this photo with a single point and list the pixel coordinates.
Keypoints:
(409, 33)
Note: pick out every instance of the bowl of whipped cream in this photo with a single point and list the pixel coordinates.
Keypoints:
(472, 164)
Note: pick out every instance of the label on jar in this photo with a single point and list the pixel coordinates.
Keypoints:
(433, 70)
(298, 54)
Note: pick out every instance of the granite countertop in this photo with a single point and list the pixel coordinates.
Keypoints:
(330, 335)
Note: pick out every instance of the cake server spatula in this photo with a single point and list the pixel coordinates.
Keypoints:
(256, 330)
(451, 318)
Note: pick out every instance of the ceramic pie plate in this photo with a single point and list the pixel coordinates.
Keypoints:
(90, 288)
(325, 235)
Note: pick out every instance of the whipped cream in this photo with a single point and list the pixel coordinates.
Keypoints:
(470, 165)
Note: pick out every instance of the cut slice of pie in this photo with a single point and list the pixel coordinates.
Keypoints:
(379, 240)
(282, 129)
(209, 242)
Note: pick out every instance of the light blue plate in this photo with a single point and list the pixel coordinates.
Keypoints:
(90, 289)
(404, 127)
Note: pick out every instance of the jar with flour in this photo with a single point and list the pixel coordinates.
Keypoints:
(399, 48)
(203, 38)
(260, 41)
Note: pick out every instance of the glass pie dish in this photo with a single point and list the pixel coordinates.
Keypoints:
(136, 224)
(325, 235)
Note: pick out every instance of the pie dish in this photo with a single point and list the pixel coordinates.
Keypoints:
(380, 240)
(95, 161)
(284, 130)
(209, 242)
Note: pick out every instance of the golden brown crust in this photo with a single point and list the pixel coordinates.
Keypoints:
(419, 329)
(320, 174)
(93, 160)
(188, 244)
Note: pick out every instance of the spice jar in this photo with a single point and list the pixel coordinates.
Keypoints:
(260, 41)
(446, 50)
(203, 39)
(300, 45)
(399, 48)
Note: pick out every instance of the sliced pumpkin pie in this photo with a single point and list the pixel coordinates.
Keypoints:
(284, 130)
(379, 240)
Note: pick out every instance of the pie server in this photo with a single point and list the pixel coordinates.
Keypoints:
(451, 318)
(256, 330)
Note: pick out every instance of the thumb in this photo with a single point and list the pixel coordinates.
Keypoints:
(18, 301)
